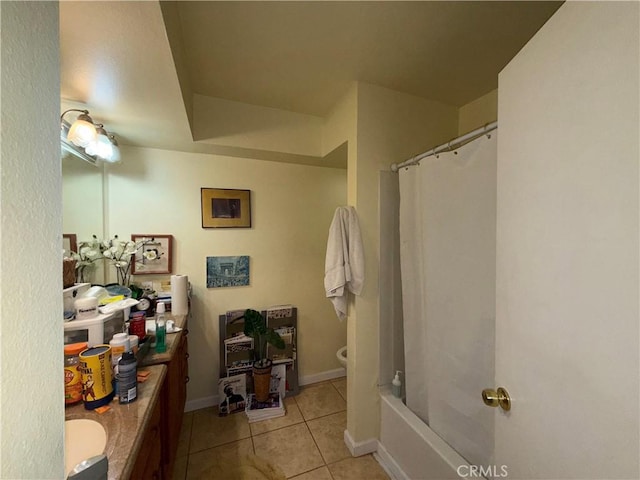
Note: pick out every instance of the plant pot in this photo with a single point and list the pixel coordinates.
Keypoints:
(262, 381)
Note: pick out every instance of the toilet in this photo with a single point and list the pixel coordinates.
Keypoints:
(342, 356)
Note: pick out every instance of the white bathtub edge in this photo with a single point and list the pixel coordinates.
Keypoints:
(432, 454)
(388, 463)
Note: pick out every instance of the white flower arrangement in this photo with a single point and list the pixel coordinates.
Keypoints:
(119, 253)
(88, 253)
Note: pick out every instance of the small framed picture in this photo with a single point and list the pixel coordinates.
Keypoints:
(228, 271)
(153, 255)
(225, 208)
(69, 243)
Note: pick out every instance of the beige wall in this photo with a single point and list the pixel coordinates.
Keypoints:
(31, 360)
(158, 191)
(82, 198)
(391, 127)
(477, 113)
(232, 124)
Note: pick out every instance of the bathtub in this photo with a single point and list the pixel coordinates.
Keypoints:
(409, 449)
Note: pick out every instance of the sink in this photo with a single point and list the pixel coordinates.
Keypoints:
(83, 439)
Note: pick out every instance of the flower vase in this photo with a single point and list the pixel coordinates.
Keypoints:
(123, 276)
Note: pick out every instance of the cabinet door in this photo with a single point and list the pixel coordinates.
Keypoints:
(147, 464)
(174, 396)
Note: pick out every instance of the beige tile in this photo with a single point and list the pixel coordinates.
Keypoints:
(180, 468)
(341, 386)
(328, 433)
(321, 473)
(365, 467)
(213, 462)
(185, 436)
(209, 430)
(292, 417)
(290, 448)
(318, 400)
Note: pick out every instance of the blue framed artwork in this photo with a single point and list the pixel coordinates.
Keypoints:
(227, 271)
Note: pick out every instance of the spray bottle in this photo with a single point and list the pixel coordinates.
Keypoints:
(396, 385)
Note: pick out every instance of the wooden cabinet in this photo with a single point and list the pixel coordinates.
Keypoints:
(174, 393)
(148, 464)
(174, 396)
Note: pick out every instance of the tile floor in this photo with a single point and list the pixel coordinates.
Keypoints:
(306, 444)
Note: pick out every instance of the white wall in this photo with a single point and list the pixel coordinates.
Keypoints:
(31, 341)
(158, 191)
(568, 247)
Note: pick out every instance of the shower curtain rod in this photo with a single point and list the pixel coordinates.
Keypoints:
(478, 132)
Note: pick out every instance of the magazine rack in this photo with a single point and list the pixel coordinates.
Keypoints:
(235, 349)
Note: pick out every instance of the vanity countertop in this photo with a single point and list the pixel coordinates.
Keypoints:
(173, 341)
(125, 424)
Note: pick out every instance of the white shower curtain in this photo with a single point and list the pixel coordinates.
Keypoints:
(447, 252)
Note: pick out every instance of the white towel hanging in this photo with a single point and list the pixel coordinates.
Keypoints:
(344, 262)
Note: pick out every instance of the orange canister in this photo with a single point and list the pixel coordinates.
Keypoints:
(72, 380)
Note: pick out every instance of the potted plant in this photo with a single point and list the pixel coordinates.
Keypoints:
(255, 327)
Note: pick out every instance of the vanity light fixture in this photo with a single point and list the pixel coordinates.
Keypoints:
(83, 131)
(92, 139)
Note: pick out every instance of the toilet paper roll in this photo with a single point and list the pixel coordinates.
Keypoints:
(179, 294)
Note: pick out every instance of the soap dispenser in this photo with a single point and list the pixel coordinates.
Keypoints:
(396, 385)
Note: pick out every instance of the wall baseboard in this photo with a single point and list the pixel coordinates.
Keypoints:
(212, 401)
(358, 449)
(199, 403)
(322, 376)
(388, 463)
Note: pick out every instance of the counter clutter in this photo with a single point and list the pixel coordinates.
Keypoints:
(125, 424)
(131, 428)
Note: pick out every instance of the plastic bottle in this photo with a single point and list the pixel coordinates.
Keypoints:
(396, 385)
(161, 328)
(72, 380)
(119, 344)
(137, 325)
(127, 378)
(133, 341)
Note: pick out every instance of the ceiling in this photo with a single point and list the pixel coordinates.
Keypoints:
(136, 65)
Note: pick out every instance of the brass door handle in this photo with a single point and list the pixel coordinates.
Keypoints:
(497, 398)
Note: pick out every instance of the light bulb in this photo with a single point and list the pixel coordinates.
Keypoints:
(83, 131)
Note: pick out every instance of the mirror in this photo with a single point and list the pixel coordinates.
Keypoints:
(83, 204)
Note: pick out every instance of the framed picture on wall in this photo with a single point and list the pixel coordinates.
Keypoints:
(228, 271)
(225, 208)
(69, 243)
(154, 255)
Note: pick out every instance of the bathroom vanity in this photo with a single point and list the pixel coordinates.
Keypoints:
(127, 426)
(174, 388)
(142, 436)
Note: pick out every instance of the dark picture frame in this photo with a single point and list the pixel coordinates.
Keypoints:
(161, 248)
(225, 208)
(69, 243)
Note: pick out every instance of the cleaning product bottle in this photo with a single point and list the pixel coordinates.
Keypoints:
(396, 385)
(161, 328)
(127, 378)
